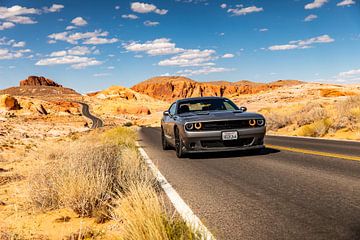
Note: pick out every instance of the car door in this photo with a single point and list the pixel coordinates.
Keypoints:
(170, 122)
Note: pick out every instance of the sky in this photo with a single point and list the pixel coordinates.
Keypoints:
(91, 45)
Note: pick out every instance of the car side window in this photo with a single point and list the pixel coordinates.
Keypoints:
(172, 109)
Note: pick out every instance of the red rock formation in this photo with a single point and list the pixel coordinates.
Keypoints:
(38, 81)
(171, 88)
(8, 102)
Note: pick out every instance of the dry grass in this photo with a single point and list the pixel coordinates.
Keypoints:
(143, 217)
(103, 176)
(316, 120)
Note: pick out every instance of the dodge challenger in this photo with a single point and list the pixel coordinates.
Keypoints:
(211, 124)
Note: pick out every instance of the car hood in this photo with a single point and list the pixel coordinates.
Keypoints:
(219, 115)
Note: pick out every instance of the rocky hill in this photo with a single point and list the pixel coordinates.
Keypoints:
(41, 87)
(172, 88)
(38, 81)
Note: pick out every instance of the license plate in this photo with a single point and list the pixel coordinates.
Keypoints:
(229, 136)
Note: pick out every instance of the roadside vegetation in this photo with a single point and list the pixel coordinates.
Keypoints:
(102, 176)
(318, 120)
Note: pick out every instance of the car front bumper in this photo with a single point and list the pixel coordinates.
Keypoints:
(211, 141)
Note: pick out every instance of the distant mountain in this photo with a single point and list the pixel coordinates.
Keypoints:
(38, 81)
(175, 87)
(42, 87)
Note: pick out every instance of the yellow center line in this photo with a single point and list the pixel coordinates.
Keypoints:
(305, 151)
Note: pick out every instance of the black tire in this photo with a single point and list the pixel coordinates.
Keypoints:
(164, 142)
(179, 145)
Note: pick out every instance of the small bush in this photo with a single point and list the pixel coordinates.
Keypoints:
(310, 113)
(143, 217)
(316, 129)
(82, 177)
(276, 121)
(128, 124)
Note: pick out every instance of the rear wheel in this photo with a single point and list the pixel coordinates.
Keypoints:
(165, 144)
(179, 145)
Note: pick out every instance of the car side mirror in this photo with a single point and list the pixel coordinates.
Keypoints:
(166, 113)
(243, 109)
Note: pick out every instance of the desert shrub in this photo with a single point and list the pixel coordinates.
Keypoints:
(143, 217)
(128, 124)
(121, 136)
(316, 129)
(276, 121)
(82, 176)
(310, 113)
(347, 114)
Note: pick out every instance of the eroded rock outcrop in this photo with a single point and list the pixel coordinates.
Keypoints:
(8, 102)
(136, 110)
(38, 81)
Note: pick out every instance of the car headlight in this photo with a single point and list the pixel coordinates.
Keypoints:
(260, 122)
(198, 126)
(189, 126)
(252, 122)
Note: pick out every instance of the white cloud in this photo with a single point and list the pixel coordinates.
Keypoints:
(302, 44)
(263, 30)
(17, 14)
(350, 73)
(76, 62)
(191, 57)
(161, 46)
(97, 41)
(117, 7)
(244, 11)
(351, 76)
(202, 71)
(228, 55)
(345, 3)
(79, 21)
(6, 25)
(54, 8)
(146, 8)
(8, 54)
(19, 44)
(130, 16)
(96, 37)
(310, 18)
(315, 4)
(101, 74)
(151, 24)
(70, 27)
(224, 5)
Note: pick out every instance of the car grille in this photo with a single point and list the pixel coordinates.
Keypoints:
(233, 143)
(224, 125)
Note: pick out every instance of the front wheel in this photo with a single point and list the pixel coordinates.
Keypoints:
(165, 144)
(179, 145)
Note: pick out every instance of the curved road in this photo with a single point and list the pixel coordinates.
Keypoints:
(96, 122)
(298, 189)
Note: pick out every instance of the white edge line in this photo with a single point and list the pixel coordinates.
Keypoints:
(315, 138)
(181, 207)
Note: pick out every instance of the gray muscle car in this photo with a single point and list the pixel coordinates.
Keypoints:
(211, 124)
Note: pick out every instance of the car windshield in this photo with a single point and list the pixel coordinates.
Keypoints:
(200, 105)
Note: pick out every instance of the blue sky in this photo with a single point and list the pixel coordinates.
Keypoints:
(90, 45)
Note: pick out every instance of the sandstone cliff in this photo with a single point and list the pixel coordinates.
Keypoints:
(172, 88)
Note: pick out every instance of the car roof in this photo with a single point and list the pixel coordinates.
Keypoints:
(198, 98)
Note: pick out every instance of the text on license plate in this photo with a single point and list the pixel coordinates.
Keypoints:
(229, 135)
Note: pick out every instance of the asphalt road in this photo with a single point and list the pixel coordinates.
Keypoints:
(96, 122)
(274, 195)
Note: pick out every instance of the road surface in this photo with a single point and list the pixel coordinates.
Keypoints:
(96, 122)
(280, 194)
